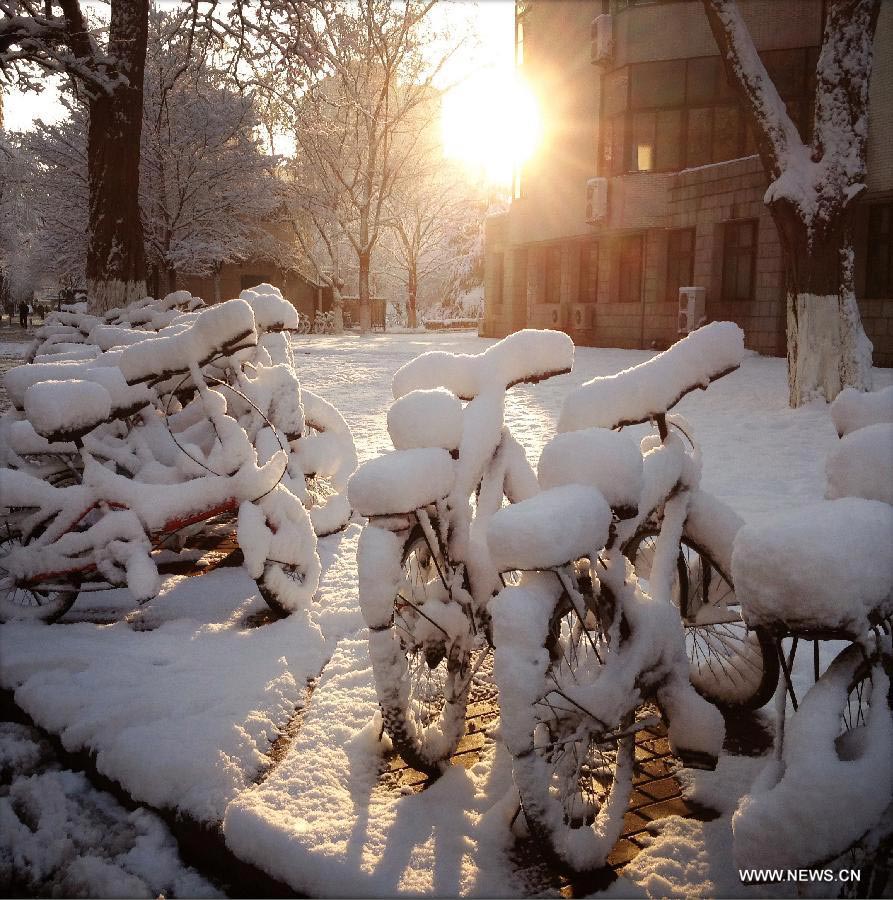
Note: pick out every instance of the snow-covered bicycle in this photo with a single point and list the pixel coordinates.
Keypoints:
(824, 573)
(619, 542)
(425, 573)
(160, 436)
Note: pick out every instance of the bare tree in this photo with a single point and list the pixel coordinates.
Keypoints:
(206, 183)
(432, 212)
(813, 187)
(52, 37)
(355, 126)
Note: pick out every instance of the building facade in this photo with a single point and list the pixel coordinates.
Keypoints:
(648, 178)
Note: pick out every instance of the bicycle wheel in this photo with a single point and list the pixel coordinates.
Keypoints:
(423, 662)
(326, 456)
(729, 664)
(575, 776)
(30, 604)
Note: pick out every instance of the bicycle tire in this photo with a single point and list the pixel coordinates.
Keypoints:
(574, 777)
(30, 604)
(422, 679)
(730, 665)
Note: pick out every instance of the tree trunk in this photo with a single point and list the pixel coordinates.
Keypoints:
(338, 309)
(364, 304)
(116, 268)
(412, 290)
(216, 284)
(171, 280)
(827, 347)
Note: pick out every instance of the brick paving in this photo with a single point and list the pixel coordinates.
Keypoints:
(656, 795)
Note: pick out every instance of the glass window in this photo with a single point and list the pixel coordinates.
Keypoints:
(498, 279)
(589, 273)
(657, 84)
(700, 130)
(669, 140)
(644, 125)
(726, 133)
(680, 261)
(787, 69)
(553, 275)
(739, 254)
(615, 90)
(879, 264)
(631, 268)
(702, 80)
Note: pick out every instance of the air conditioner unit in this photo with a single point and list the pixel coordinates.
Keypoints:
(547, 315)
(596, 200)
(583, 316)
(691, 309)
(601, 36)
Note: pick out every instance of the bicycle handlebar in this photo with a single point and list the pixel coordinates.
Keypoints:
(651, 389)
(526, 356)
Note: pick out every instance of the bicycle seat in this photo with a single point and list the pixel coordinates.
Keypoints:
(652, 388)
(823, 568)
(525, 356)
(607, 460)
(66, 410)
(426, 419)
(549, 529)
(401, 482)
(852, 409)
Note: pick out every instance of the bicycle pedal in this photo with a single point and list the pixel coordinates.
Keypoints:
(697, 759)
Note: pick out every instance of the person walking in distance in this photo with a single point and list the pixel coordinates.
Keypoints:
(23, 314)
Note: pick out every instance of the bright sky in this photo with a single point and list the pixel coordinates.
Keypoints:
(490, 121)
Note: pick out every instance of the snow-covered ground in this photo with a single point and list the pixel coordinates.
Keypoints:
(181, 698)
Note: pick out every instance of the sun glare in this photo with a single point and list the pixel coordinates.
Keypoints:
(491, 123)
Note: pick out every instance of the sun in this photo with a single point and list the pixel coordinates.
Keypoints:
(491, 122)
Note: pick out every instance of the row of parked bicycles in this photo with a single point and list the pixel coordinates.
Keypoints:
(134, 432)
(599, 588)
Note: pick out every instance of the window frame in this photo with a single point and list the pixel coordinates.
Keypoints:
(674, 267)
(626, 241)
(879, 286)
(587, 291)
(734, 249)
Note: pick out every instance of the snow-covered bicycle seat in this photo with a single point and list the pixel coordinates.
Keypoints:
(852, 409)
(652, 388)
(525, 356)
(824, 568)
(401, 482)
(549, 529)
(66, 410)
(603, 459)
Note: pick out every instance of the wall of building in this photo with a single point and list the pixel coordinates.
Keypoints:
(303, 295)
(651, 204)
(678, 30)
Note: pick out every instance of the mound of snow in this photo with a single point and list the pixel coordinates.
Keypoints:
(862, 464)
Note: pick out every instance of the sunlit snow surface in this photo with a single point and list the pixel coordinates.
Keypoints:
(180, 699)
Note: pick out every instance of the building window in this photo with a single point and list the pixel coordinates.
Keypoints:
(665, 115)
(631, 268)
(588, 273)
(498, 282)
(739, 257)
(879, 264)
(519, 279)
(680, 261)
(553, 274)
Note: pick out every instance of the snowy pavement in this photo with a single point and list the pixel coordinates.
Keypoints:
(180, 699)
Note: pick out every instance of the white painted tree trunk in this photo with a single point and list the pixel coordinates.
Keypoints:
(111, 293)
